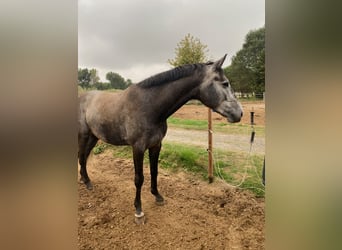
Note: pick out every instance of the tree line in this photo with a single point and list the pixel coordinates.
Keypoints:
(246, 71)
(89, 79)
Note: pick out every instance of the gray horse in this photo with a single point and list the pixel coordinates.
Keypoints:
(137, 116)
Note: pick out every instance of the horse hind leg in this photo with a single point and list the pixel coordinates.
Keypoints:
(86, 144)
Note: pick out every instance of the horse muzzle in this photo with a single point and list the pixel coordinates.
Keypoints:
(233, 118)
(232, 111)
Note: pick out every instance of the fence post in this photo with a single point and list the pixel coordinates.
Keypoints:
(210, 147)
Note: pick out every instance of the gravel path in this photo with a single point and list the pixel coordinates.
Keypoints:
(238, 143)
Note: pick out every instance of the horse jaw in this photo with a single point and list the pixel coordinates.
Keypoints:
(231, 110)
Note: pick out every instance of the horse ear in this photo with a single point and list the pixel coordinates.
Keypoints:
(218, 64)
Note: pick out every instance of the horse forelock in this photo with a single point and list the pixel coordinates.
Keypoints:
(170, 75)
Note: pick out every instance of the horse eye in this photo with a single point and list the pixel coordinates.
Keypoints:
(216, 78)
(225, 84)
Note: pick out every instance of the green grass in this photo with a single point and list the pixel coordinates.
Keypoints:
(241, 129)
(229, 166)
(177, 157)
(187, 123)
(100, 148)
(241, 170)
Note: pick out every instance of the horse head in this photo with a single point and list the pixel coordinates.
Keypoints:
(217, 93)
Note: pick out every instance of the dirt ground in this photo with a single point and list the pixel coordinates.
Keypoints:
(200, 112)
(196, 215)
(223, 141)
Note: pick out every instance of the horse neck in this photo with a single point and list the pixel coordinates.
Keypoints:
(171, 96)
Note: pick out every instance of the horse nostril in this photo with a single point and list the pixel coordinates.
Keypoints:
(241, 114)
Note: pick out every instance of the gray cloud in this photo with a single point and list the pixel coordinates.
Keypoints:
(123, 34)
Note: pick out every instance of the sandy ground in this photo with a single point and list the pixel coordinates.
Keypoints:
(197, 215)
(237, 143)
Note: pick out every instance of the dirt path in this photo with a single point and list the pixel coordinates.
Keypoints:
(239, 143)
(196, 215)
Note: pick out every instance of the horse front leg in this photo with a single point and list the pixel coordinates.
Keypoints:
(138, 158)
(154, 156)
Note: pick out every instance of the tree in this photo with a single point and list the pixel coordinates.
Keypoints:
(189, 50)
(129, 82)
(240, 78)
(116, 81)
(94, 78)
(247, 70)
(84, 78)
(102, 85)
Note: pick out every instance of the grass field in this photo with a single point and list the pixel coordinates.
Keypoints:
(235, 168)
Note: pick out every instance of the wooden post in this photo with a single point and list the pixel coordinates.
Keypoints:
(210, 147)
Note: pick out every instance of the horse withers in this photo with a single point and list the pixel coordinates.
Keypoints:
(137, 116)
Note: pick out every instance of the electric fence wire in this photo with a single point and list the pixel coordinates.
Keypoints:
(248, 163)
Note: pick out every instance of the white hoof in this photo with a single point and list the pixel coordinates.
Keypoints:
(139, 218)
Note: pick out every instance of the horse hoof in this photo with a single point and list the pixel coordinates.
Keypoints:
(160, 202)
(139, 218)
(89, 185)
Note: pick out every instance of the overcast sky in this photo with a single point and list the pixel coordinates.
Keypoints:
(135, 38)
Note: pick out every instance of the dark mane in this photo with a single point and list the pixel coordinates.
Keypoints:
(170, 75)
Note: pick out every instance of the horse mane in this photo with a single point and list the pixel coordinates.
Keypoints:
(170, 75)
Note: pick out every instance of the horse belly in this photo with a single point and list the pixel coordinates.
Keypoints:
(115, 140)
(114, 135)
